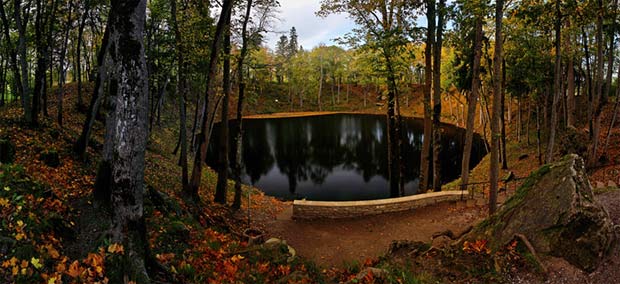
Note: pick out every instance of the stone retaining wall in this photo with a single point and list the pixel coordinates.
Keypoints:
(304, 209)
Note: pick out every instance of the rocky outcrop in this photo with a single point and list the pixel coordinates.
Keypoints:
(555, 209)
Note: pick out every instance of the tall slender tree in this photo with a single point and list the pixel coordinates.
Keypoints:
(181, 92)
(472, 101)
(441, 12)
(495, 120)
(598, 98)
(239, 131)
(222, 175)
(211, 103)
(78, 47)
(428, 89)
(557, 89)
(95, 101)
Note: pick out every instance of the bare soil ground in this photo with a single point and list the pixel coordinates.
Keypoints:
(343, 242)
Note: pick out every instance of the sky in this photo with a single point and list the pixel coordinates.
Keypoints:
(311, 29)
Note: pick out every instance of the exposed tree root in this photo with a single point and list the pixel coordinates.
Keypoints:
(451, 235)
(529, 246)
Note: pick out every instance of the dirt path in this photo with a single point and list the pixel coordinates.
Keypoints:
(345, 241)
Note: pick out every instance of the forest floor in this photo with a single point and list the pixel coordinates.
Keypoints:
(57, 235)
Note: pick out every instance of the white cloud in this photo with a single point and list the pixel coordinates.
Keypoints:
(311, 29)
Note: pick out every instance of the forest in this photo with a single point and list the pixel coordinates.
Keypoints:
(463, 141)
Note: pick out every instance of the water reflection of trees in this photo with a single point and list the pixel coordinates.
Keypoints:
(310, 149)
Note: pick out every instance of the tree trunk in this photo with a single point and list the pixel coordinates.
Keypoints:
(503, 117)
(428, 83)
(197, 113)
(588, 75)
(2, 81)
(529, 119)
(599, 98)
(570, 96)
(95, 101)
(222, 175)
(394, 158)
(610, 52)
(41, 53)
(497, 89)
(239, 133)
(62, 71)
(610, 65)
(210, 103)
(437, 97)
(126, 134)
(181, 92)
(519, 119)
(17, 81)
(320, 85)
(471, 105)
(538, 147)
(556, 85)
(23, 58)
(79, 51)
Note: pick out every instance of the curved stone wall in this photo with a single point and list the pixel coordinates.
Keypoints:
(305, 209)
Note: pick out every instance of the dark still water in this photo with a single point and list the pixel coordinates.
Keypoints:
(336, 157)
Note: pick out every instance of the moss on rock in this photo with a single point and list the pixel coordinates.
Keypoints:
(556, 211)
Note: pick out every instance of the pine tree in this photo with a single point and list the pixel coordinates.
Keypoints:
(292, 43)
(282, 46)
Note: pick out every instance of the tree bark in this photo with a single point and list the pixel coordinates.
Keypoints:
(79, 52)
(222, 175)
(428, 126)
(610, 66)
(19, 89)
(41, 53)
(471, 105)
(62, 71)
(21, 21)
(126, 134)
(210, 104)
(239, 133)
(318, 98)
(95, 101)
(556, 85)
(437, 97)
(598, 99)
(497, 89)
(503, 117)
(181, 92)
(2, 81)
(394, 158)
(570, 96)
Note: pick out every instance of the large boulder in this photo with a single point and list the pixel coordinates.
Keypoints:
(555, 209)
